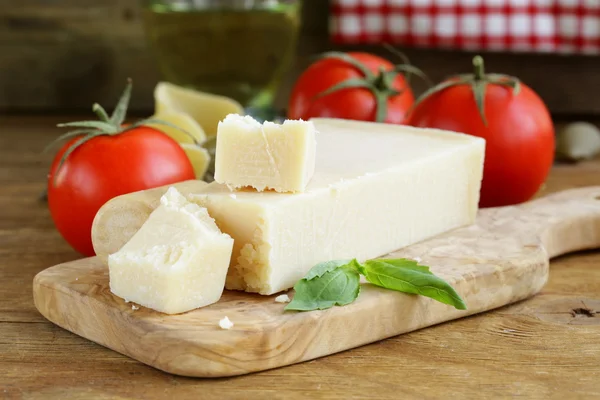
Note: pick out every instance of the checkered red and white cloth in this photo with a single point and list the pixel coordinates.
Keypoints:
(557, 26)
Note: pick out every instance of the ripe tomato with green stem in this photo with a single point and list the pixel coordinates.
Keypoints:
(510, 116)
(104, 159)
(354, 85)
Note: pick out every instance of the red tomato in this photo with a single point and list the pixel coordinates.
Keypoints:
(519, 136)
(350, 103)
(106, 167)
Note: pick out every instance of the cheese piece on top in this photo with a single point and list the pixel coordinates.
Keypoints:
(176, 262)
(265, 156)
(376, 188)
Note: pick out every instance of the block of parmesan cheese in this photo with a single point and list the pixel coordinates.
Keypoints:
(376, 188)
(265, 156)
(176, 262)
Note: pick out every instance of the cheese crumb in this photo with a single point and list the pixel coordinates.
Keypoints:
(233, 196)
(134, 308)
(225, 323)
(282, 298)
(417, 259)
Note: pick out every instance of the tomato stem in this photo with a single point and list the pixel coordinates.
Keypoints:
(380, 81)
(478, 81)
(478, 68)
(380, 84)
(100, 112)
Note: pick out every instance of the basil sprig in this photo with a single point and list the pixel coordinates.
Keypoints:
(337, 283)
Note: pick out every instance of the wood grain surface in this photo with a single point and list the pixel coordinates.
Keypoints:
(546, 347)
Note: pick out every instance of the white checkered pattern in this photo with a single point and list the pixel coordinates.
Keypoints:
(559, 26)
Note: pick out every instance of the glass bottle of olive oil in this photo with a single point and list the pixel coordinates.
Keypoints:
(236, 48)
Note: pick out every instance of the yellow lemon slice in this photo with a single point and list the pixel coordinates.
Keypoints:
(199, 158)
(207, 109)
(182, 121)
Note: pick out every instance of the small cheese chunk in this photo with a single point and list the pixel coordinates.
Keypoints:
(225, 323)
(176, 262)
(265, 156)
(376, 188)
(282, 298)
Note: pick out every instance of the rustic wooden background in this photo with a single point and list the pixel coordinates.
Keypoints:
(58, 56)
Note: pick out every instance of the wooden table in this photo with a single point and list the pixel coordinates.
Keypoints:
(545, 347)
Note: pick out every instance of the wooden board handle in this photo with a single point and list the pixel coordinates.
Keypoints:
(565, 222)
(504, 256)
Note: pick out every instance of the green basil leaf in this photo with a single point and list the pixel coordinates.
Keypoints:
(324, 267)
(337, 286)
(412, 279)
(405, 263)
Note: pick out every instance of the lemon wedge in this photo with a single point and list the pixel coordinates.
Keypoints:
(205, 108)
(199, 158)
(183, 122)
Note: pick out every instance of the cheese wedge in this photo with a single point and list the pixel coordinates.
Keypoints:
(376, 188)
(176, 262)
(265, 156)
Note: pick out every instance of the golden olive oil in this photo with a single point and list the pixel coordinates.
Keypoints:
(236, 52)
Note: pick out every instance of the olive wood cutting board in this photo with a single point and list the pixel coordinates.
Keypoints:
(500, 259)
